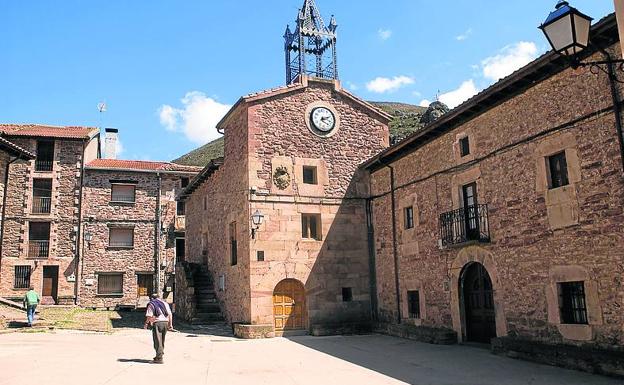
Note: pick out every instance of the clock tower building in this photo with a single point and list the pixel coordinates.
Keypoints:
(281, 221)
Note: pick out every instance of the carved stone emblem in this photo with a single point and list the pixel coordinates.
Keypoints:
(281, 178)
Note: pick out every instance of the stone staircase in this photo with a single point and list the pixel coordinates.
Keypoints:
(207, 309)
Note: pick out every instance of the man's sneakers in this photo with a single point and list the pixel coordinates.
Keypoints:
(158, 360)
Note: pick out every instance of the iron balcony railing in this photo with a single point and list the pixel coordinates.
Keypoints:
(43, 165)
(464, 225)
(123, 198)
(41, 205)
(121, 244)
(38, 249)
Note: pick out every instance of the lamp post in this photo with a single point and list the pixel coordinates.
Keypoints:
(88, 237)
(567, 30)
(256, 219)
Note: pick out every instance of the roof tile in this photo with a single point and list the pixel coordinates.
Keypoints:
(140, 165)
(67, 132)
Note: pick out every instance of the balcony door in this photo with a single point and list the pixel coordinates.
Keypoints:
(471, 211)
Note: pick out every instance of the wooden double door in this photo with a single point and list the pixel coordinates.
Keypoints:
(289, 308)
(478, 304)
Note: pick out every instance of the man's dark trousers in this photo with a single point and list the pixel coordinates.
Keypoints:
(159, 331)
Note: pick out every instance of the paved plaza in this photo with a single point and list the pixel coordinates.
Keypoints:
(213, 357)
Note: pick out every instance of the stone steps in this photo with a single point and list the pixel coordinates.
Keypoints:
(206, 303)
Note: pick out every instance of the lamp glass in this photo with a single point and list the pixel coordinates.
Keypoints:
(567, 29)
(257, 218)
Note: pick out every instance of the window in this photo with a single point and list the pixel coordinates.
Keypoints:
(180, 246)
(347, 294)
(464, 146)
(557, 167)
(260, 256)
(38, 239)
(233, 245)
(413, 304)
(309, 175)
(45, 156)
(572, 306)
(110, 284)
(409, 217)
(121, 237)
(22, 277)
(205, 203)
(311, 226)
(180, 208)
(124, 193)
(42, 196)
(145, 285)
(184, 181)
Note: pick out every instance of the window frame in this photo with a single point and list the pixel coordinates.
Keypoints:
(110, 231)
(347, 294)
(464, 146)
(233, 244)
(307, 226)
(112, 196)
(26, 279)
(184, 181)
(413, 304)
(557, 170)
(572, 303)
(180, 208)
(314, 171)
(110, 274)
(408, 217)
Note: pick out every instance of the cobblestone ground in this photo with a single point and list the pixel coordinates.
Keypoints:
(211, 355)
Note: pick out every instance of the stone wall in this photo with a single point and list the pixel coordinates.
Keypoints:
(64, 219)
(218, 202)
(100, 214)
(538, 236)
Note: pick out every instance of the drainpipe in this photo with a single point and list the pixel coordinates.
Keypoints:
(4, 200)
(394, 242)
(371, 258)
(77, 274)
(616, 101)
(157, 235)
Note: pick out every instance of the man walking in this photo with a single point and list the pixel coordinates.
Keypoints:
(159, 317)
(31, 300)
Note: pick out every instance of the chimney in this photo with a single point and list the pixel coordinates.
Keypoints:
(110, 143)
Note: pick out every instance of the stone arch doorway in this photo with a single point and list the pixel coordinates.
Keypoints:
(289, 306)
(478, 303)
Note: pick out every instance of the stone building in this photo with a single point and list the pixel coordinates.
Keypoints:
(280, 221)
(134, 231)
(504, 218)
(42, 212)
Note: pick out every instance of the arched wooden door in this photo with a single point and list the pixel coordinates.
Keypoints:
(478, 304)
(289, 309)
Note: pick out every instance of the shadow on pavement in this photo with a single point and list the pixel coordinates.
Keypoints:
(128, 319)
(138, 360)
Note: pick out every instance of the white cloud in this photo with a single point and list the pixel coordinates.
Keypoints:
(509, 59)
(454, 98)
(381, 85)
(119, 149)
(464, 36)
(424, 103)
(352, 86)
(384, 34)
(197, 118)
(416, 94)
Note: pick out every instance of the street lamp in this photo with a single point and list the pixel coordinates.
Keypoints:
(567, 31)
(256, 219)
(88, 237)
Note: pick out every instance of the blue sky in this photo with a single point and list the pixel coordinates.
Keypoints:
(168, 70)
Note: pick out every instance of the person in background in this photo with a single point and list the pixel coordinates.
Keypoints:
(159, 317)
(31, 300)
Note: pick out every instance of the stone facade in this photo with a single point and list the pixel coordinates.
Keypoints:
(268, 141)
(539, 236)
(152, 219)
(55, 259)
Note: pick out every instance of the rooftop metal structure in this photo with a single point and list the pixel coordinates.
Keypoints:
(311, 49)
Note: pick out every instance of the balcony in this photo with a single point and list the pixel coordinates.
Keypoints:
(41, 205)
(467, 224)
(43, 165)
(38, 249)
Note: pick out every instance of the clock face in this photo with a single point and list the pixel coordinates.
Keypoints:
(323, 119)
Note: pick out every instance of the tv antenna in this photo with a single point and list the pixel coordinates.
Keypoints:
(102, 107)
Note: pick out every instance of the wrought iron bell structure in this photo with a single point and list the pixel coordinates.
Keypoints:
(311, 49)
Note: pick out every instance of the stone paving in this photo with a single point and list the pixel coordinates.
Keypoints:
(212, 356)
